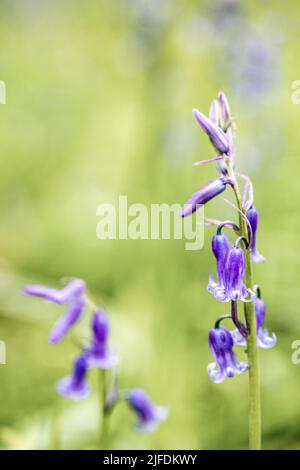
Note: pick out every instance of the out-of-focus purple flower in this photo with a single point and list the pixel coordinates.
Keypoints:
(72, 294)
(232, 286)
(148, 414)
(226, 364)
(65, 323)
(252, 216)
(263, 339)
(203, 195)
(98, 355)
(256, 72)
(58, 296)
(216, 135)
(75, 386)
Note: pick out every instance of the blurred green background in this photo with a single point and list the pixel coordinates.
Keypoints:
(99, 99)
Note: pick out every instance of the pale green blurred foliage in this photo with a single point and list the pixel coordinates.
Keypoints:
(99, 104)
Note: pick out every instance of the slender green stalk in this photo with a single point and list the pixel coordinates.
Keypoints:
(252, 350)
(102, 392)
(254, 381)
(55, 437)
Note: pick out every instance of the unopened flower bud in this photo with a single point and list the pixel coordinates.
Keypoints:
(203, 195)
(215, 134)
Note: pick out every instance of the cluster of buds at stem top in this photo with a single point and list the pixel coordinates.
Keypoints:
(218, 127)
(229, 285)
(96, 354)
(218, 124)
(216, 135)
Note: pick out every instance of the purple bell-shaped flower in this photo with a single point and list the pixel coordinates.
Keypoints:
(263, 339)
(226, 364)
(148, 414)
(252, 216)
(73, 294)
(75, 386)
(98, 354)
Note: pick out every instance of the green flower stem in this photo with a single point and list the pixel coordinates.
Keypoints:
(55, 434)
(102, 393)
(252, 350)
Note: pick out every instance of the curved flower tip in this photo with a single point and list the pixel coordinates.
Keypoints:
(265, 341)
(204, 195)
(217, 289)
(98, 354)
(215, 134)
(70, 292)
(257, 257)
(75, 386)
(148, 414)
(65, 323)
(225, 365)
